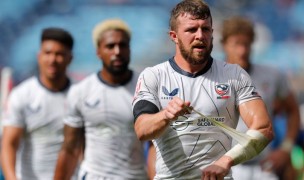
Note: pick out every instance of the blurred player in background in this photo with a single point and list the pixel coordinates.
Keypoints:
(190, 146)
(101, 104)
(35, 109)
(6, 85)
(237, 38)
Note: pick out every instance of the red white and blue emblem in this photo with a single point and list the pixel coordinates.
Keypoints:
(222, 90)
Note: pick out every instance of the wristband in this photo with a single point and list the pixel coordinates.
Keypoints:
(287, 145)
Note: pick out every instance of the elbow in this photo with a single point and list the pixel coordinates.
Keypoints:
(270, 135)
(143, 132)
(139, 132)
(141, 137)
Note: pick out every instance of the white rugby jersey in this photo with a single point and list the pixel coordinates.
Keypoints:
(191, 141)
(40, 113)
(112, 150)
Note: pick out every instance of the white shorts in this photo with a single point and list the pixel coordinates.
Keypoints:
(251, 172)
(84, 175)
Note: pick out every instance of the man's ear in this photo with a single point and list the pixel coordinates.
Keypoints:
(97, 51)
(173, 36)
(70, 58)
(38, 56)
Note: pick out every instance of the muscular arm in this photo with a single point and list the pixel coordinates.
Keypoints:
(69, 154)
(279, 158)
(255, 116)
(10, 143)
(151, 126)
(293, 117)
(151, 160)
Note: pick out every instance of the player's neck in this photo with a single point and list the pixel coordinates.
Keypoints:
(186, 66)
(54, 85)
(118, 79)
(245, 64)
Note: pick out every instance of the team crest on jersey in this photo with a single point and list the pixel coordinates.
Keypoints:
(222, 90)
(169, 95)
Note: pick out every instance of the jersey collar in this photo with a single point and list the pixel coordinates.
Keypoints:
(114, 85)
(201, 72)
(67, 85)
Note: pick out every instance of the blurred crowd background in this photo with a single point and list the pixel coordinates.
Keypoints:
(279, 25)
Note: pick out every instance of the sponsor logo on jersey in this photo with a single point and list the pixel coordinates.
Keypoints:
(183, 122)
(206, 122)
(169, 95)
(92, 104)
(32, 109)
(180, 124)
(222, 90)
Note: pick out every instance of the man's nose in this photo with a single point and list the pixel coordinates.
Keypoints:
(117, 49)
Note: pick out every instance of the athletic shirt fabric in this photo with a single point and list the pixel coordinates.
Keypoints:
(40, 113)
(216, 92)
(112, 149)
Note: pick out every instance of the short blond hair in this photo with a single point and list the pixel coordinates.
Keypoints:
(109, 24)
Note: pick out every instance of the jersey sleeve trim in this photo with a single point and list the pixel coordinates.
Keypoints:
(144, 107)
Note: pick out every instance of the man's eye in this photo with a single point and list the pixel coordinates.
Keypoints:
(110, 46)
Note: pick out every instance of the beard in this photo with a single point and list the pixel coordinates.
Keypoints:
(116, 70)
(195, 58)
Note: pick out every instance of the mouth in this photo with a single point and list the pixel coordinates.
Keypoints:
(199, 47)
(52, 69)
(117, 62)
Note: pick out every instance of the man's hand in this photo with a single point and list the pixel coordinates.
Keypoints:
(276, 160)
(175, 108)
(217, 170)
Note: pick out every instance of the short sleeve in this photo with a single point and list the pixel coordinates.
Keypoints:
(13, 112)
(147, 87)
(74, 117)
(245, 89)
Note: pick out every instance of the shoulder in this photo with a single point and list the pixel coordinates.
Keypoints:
(27, 85)
(24, 92)
(229, 70)
(224, 65)
(84, 85)
(90, 79)
(157, 69)
(271, 71)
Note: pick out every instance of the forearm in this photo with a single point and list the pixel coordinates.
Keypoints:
(248, 148)
(66, 164)
(150, 126)
(260, 133)
(8, 158)
(69, 154)
(293, 124)
(292, 130)
(151, 159)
